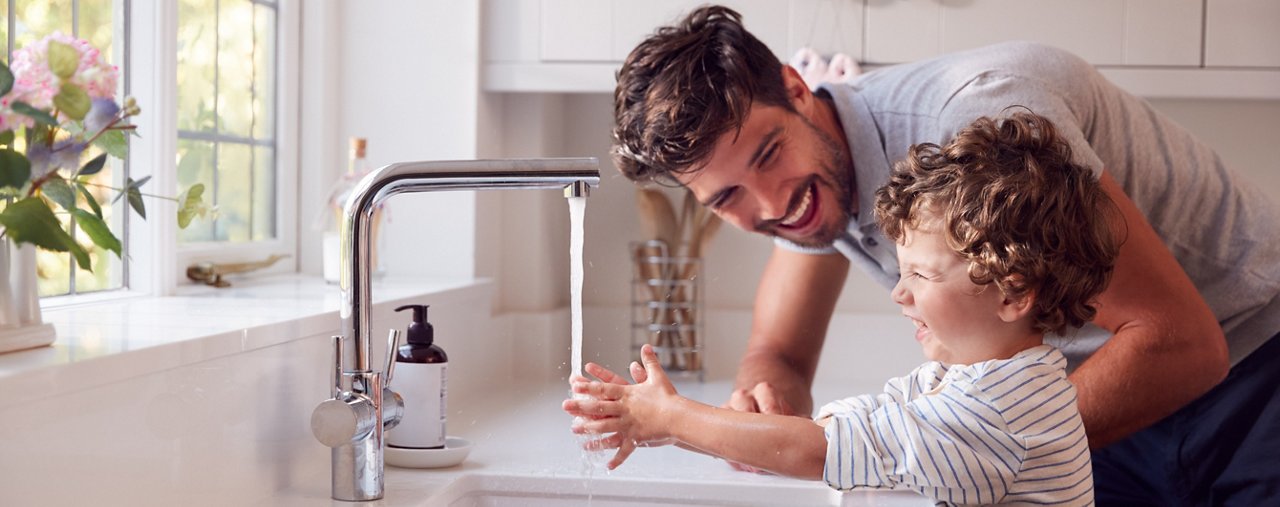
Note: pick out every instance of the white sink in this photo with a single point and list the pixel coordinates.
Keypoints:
(542, 491)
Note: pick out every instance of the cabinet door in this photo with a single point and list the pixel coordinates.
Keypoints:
(1104, 32)
(576, 30)
(1242, 33)
(827, 26)
(633, 21)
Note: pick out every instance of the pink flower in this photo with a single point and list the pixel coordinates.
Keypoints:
(35, 84)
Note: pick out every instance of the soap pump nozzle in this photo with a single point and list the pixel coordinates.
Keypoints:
(420, 332)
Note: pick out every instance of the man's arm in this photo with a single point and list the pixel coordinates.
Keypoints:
(793, 307)
(1167, 348)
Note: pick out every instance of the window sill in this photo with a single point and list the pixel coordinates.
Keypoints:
(120, 338)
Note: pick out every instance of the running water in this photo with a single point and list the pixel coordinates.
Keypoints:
(577, 210)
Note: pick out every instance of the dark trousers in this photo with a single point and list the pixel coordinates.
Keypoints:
(1222, 449)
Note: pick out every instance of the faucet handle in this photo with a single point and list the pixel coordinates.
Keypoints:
(340, 421)
(393, 343)
(337, 365)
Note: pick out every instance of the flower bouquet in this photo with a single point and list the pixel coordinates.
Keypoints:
(57, 101)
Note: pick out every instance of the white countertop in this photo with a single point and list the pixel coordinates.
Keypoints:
(523, 432)
(113, 340)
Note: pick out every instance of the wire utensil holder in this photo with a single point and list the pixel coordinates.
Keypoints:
(666, 308)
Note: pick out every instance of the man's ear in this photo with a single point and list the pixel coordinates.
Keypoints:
(799, 93)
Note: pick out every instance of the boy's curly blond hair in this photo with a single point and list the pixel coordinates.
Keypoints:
(1009, 200)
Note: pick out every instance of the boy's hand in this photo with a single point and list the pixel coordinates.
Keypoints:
(634, 415)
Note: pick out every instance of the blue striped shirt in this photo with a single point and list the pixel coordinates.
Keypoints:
(1005, 431)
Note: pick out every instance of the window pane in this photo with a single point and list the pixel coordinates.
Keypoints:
(96, 25)
(264, 193)
(197, 58)
(108, 270)
(264, 61)
(235, 67)
(233, 194)
(195, 165)
(38, 18)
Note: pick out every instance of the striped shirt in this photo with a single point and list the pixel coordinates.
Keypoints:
(1005, 431)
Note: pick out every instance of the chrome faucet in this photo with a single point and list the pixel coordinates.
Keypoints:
(353, 421)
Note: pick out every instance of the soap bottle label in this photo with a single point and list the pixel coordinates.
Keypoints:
(423, 387)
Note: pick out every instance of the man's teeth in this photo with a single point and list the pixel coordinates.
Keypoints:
(796, 215)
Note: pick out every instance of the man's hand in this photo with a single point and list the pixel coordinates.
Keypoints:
(761, 398)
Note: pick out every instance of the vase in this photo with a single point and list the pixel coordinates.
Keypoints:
(21, 326)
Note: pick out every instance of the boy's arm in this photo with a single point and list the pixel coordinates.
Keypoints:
(784, 445)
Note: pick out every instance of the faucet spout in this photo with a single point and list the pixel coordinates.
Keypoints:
(359, 392)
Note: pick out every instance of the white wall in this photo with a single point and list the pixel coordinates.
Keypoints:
(404, 75)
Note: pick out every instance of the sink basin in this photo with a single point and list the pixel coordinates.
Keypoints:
(542, 491)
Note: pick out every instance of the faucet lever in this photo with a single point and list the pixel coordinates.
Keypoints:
(393, 343)
(337, 366)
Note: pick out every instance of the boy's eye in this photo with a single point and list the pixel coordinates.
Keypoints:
(918, 275)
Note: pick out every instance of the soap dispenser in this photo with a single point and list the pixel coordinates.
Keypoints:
(420, 378)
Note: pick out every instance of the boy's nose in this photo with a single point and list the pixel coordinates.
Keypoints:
(900, 294)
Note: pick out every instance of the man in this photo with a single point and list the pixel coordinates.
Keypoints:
(1192, 302)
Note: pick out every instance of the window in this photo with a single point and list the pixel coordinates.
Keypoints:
(217, 67)
(226, 120)
(99, 22)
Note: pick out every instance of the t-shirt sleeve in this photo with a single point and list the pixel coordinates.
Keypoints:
(996, 95)
(951, 445)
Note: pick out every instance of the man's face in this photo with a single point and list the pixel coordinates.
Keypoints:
(780, 175)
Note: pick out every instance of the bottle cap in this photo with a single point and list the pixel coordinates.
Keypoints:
(420, 332)
(358, 145)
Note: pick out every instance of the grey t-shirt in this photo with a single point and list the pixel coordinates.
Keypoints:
(1224, 232)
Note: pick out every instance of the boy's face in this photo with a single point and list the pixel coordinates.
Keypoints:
(957, 321)
(780, 175)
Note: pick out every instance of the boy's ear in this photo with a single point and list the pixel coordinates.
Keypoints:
(1016, 309)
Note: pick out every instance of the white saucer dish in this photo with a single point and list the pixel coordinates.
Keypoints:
(455, 450)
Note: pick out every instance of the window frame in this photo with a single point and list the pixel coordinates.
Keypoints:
(159, 263)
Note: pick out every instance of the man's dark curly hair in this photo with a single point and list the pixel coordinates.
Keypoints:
(1010, 201)
(684, 87)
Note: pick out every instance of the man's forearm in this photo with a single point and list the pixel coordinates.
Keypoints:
(785, 445)
(1139, 377)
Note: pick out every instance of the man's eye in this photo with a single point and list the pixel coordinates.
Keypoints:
(768, 154)
(722, 199)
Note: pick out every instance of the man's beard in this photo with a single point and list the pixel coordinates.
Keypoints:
(836, 173)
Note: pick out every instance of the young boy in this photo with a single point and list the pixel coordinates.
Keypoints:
(1001, 238)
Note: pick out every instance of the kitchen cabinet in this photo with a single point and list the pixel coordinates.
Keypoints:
(1103, 32)
(1242, 33)
(1154, 48)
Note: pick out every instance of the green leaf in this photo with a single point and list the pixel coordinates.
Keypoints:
(6, 79)
(135, 202)
(60, 192)
(63, 60)
(15, 169)
(191, 203)
(93, 166)
(113, 142)
(6, 137)
(88, 197)
(72, 101)
(30, 111)
(139, 183)
(30, 221)
(97, 230)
